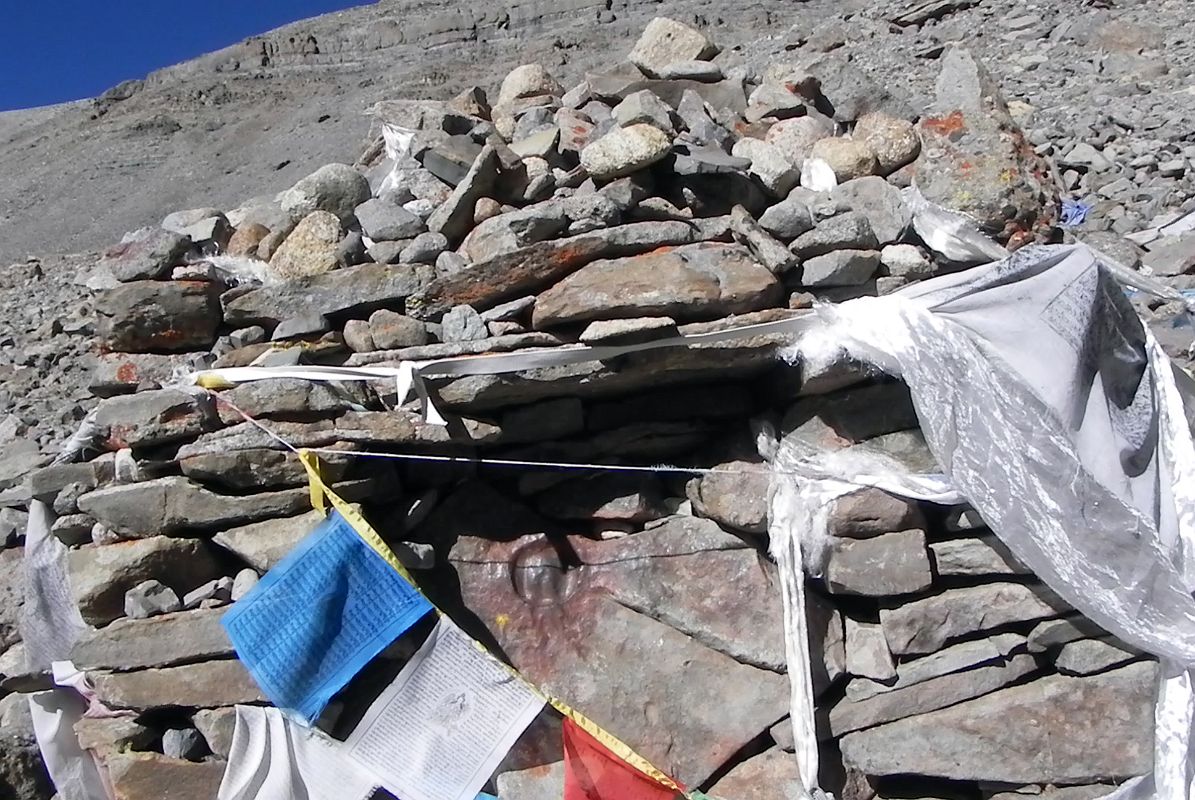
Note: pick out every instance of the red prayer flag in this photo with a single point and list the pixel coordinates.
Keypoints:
(593, 772)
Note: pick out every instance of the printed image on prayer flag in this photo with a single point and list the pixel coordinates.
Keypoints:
(441, 728)
(319, 616)
(592, 772)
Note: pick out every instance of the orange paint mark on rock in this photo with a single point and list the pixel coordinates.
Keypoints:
(948, 126)
(127, 373)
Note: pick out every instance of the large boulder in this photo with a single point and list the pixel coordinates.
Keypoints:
(975, 159)
(693, 281)
(159, 316)
(100, 575)
(335, 188)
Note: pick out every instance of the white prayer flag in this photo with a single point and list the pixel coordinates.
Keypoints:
(441, 728)
(273, 758)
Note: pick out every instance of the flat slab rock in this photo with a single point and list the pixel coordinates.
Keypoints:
(210, 684)
(1054, 730)
(923, 626)
(155, 642)
(565, 631)
(692, 281)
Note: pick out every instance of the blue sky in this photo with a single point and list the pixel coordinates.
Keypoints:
(57, 50)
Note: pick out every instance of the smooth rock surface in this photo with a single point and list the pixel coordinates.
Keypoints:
(1053, 730)
(693, 281)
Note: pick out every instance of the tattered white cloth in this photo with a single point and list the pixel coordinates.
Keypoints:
(1050, 409)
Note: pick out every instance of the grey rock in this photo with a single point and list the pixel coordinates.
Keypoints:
(853, 93)
(12, 526)
(1055, 632)
(120, 373)
(22, 773)
(545, 782)
(527, 80)
(705, 71)
(627, 331)
(243, 583)
(905, 261)
(218, 590)
(1088, 656)
(357, 336)
(955, 658)
(335, 188)
(261, 545)
(150, 598)
(387, 252)
(110, 735)
(312, 248)
(173, 504)
(701, 127)
(849, 231)
(100, 575)
(923, 626)
(257, 469)
(769, 252)
(880, 202)
(1005, 188)
(151, 418)
(665, 42)
(693, 280)
(217, 726)
(1085, 157)
(536, 266)
(551, 419)
(156, 316)
(425, 248)
(12, 596)
(390, 330)
(929, 695)
(889, 564)
(510, 310)
(787, 220)
(773, 170)
(736, 496)
(454, 217)
(450, 159)
(984, 555)
(796, 137)
(72, 529)
(382, 221)
(848, 158)
(299, 327)
(867, 653)
(184, 743)
(893, 140)
(356, 289)
(840, 268)
(1171, 255)
(625, 150)
(1024, 734)
(145, 254)
(646, 108)
(771, 775)
(508, 232)
(628, 498)
(463, 324)
(210, 684)
(703, 160)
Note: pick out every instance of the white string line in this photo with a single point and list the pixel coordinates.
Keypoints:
(507, 462)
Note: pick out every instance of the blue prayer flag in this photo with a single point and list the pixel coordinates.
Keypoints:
(319, 616)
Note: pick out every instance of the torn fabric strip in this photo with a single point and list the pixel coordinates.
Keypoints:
(272, 758)
(441, 728)
(319, 616)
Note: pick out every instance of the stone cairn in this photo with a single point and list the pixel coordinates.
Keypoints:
(662, 196)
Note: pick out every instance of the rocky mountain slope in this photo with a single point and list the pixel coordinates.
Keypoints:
(596, 194)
